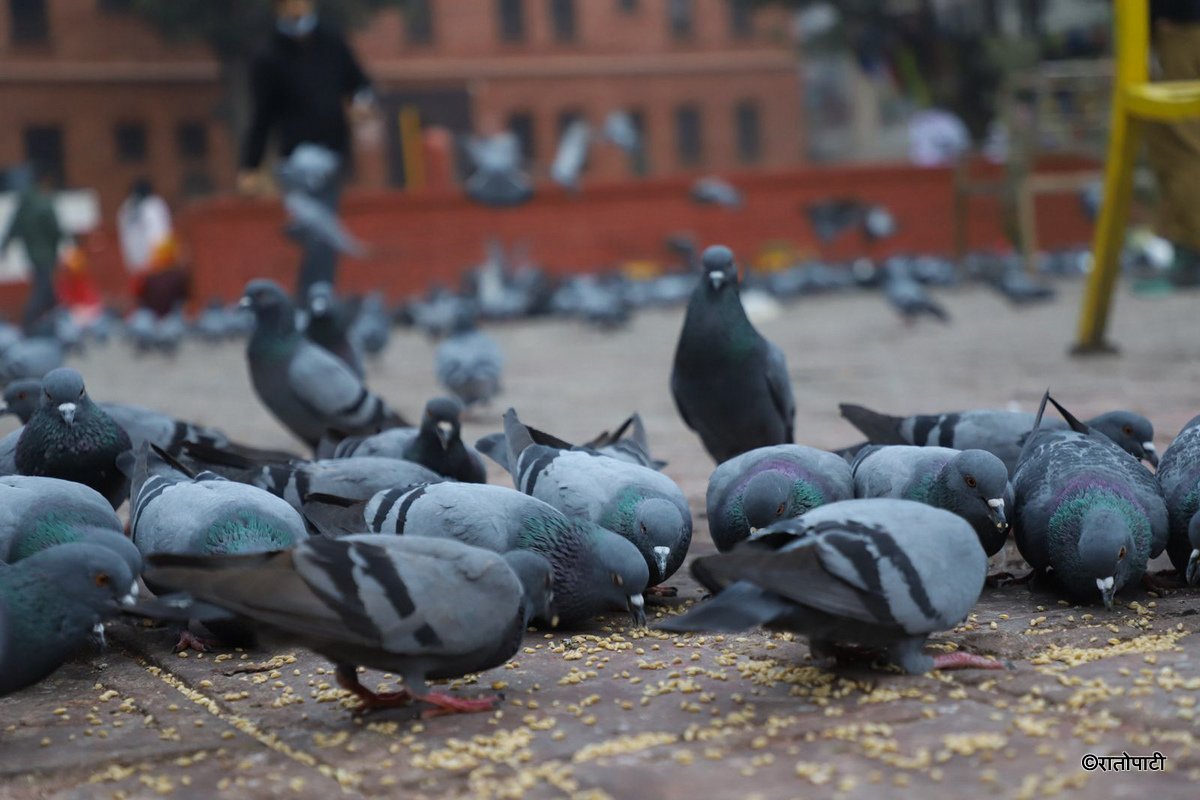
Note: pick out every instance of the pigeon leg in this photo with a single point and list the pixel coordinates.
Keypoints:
(661, 592)
(190, 641)
(347, 678)
(1001, 579)
(444, 704)
(962, 660)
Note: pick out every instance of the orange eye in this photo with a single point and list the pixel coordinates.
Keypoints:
(102, 580)
(1121, 554)
(782, 508)
(1127, 430)
(970, 479)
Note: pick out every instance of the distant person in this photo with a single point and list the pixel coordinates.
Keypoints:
(301, 81)
(150, 249)
(36, 225)
(1174, 148)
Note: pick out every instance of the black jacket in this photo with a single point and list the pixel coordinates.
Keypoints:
(300, 87)
(1175, 10)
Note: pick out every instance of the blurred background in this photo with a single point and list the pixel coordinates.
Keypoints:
(599, 137)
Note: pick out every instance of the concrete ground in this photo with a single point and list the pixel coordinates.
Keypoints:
(610, 712)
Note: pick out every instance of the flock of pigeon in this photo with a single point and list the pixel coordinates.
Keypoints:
(388, 549)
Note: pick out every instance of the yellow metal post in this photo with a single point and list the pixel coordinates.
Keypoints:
(412, 148)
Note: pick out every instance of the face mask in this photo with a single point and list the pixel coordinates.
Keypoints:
(298, 27)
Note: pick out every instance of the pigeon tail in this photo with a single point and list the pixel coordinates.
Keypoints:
(742, 605)
(1027, 447)
(1075, 424)
(334, 516)
(878, 428)
(516, 436)
(495, 447)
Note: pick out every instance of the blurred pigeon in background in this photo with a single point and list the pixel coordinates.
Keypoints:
(304, 176)
(498, 179)
(571, 156)
(329, 321)
(712, 190)
(469, 363)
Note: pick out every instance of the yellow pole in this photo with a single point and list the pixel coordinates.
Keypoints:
(412, 148)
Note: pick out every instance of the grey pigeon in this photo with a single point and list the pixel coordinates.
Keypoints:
(499, 179)
(372, 327)
(355, 478)
(52, 604)
(304, 176)
(37, 513)
(715, 191)
(22, 397)
(329, 321)
(626, 443)
(306, 388)
(412, 605)
(594, 569)
(639, 503)
(437, 444)
(31, 358)
(882, 574)
(1001, 433)
(910, 298)
(1086, 509)
(730, 385)
(1179, 479)
(970, 483)
(8, 451)
(570, 158)
(69, 437)
(762, 486)
(469, 363)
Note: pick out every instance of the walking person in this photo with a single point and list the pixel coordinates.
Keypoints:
(301, 82)
(37, 226)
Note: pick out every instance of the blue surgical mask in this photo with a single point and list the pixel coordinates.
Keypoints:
(298, 27)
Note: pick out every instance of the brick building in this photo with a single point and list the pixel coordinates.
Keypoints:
(99, 97)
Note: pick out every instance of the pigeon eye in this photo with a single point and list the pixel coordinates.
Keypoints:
(81, 393)
(1127, 430)
(101, 580)
(782, 508)
(1121, 554)
(644, 530)
(971, 482)
(617, 580)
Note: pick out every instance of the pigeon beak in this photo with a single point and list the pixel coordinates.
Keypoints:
(716, 279)
(996, 512)
(444, 429)
(320, 306)
(554, 621)
(1105, 585)
(98, 633)
(67, 411)
(1150, 453)
(245, 302)
(661, 554)
(637, 609)
(131, 598)
(1192, 573)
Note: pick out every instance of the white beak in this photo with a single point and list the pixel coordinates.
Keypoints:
(661, 554)
(67, 410)
(716, 279)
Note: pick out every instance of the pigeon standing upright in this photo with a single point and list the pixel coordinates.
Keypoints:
(52, 603)
(730, 384)
(306, 388)
(469, 363)
(878, 573)
(1179, 478)
(1086, 509)
(329, 321)
(69, 437)
(767, 484)
(971, 483)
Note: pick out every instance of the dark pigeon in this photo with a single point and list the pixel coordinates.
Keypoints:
(1179, 479)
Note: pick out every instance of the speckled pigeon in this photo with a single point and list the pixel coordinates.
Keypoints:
(970, 483)
(69, 437)
(53, 603)
(1086, 509)
(639, 503)
(415, 606)
(437, 444)
(594, 569)
(879, 573)
(305, 387)
(1179, 479)
(767, 484)
(730, 384)
(1001, 433)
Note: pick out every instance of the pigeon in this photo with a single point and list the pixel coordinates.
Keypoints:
(52, 603)
(909, 297)
(499, 179)
(594, 569)
(22, 397)
(571, 156)
(372, 328)
(730, 384)
(1001, 433)
(759, 487)
(1086, 509)
(308, 389)
(632, 448)
(469, 363)
(69, 437)
(214, 324)
(329, 321)
(879, 573)
(971, 483)
(1179, 479)
(715, 191)
(1020, 289)
(8, 451)
(437, 444)
(412, 605)
(305, 173)
(356, 478)
(37, 513)
(639, 503)
(31, 358)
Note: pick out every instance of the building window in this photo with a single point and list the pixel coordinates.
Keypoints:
(688, 140)
(679, 17)
(640, 163)
(741, 19)
(418, 21)
(196, 183)
(130, 138)
(749, 131)
(512, 20)
(44, 151)
(521, 125)
(562, 17)
(191, 140)
(627, 6)
(28, 23)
